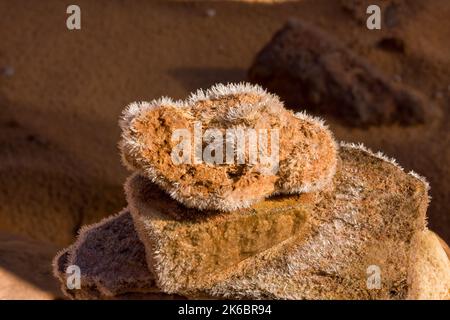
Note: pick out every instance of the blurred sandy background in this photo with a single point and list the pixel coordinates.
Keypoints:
(61, 94)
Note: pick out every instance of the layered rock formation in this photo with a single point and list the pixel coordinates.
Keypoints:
(368, 221)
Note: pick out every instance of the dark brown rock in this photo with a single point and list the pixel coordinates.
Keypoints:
(311, 70)
(112, 263)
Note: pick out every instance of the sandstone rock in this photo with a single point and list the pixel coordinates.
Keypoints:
(429, 276)
(375, 216)
(189, 252)
(303, 148)
(368, 220)
(444, 245)
(311, 70)
(111, 260)
(366, 223)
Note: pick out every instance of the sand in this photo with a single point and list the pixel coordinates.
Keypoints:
(24, 269)
(61, 92)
